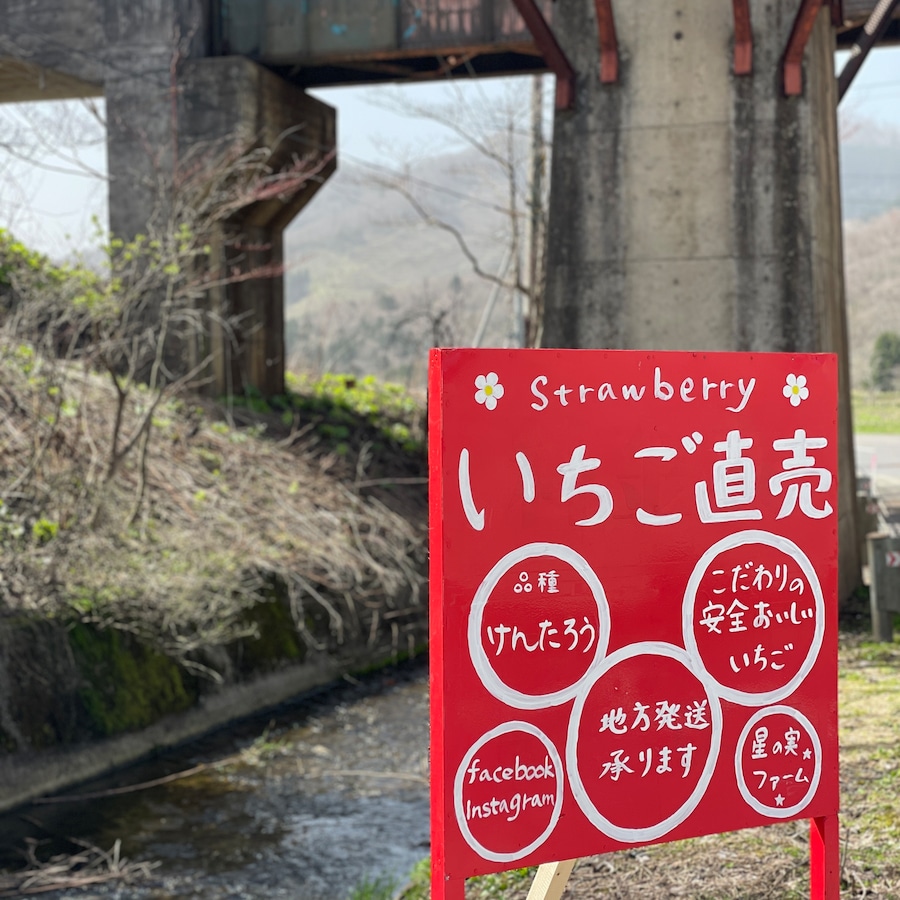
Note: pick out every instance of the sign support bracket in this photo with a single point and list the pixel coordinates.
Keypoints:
(550, 880)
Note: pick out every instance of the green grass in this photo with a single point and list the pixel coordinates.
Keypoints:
(483, 887)
(378, 889)
(876, 412)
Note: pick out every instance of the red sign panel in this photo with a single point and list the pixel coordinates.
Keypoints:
(634, 575)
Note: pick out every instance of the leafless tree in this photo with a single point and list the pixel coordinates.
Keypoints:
(45, 143)
(508, 134)
(139, 320)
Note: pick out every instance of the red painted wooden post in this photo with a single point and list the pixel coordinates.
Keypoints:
(824, 859)
(443, 887)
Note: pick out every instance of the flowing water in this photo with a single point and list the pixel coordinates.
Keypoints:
(328, 795)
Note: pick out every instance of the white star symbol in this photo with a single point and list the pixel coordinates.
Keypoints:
(779, 800)
(807, 753)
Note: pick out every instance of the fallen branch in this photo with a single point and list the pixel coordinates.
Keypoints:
(92, 865)
(126, 789)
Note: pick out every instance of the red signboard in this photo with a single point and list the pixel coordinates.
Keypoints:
(633, 600)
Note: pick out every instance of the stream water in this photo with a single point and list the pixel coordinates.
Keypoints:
(327, 795)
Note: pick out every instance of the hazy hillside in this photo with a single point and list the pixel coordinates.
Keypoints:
(870, 185)
(870, 171)
(872, 271)
(365, 239)
(371, 286)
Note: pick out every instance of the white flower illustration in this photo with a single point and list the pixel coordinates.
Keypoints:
(489, 390)
(795, 389)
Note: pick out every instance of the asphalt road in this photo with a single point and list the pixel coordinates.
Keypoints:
(878, 457)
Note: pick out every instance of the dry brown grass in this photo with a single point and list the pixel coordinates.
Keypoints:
(88, 866)
(179, 541)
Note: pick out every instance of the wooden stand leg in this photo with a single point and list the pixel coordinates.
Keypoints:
(551, 880)
(824, 859)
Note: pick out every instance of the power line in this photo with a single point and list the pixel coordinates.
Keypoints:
(876, 85)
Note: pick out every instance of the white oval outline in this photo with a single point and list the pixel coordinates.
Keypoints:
(739, 539)
(489, 678)
(506, 728)
(779, 812)
(648, 832)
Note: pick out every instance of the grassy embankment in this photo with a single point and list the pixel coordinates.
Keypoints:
(152, 545)
(234, 539)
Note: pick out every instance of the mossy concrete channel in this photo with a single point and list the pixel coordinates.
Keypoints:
(312, 800)
(77, 701)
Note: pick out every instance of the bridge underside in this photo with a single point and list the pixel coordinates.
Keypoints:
(322, 43)
(848, 37)
(151, 57)
(330, 43)
(24, 82)
(458, 62)
(855, 14)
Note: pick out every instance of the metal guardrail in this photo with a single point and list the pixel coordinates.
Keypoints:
(880, 547)
(884, 582)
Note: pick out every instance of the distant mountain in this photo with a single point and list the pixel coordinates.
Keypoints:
(363, 239)
(370, 286)
(870, 172)
(872, 272)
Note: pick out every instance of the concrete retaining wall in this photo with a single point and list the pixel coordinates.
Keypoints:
(77, 702)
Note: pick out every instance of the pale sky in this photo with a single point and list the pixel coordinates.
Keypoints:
(51, 206)
(875, 92)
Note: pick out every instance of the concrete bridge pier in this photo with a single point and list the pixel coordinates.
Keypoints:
(180, 131)
(702, 206)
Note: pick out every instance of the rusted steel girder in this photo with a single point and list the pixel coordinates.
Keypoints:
(872, 33)
(743, 38)
(837, 13)
(792, 68)
(609, 44)
(553, 54)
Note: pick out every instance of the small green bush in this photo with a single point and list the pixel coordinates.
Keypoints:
(885, 359)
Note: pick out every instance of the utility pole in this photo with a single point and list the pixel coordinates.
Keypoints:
(534, 314)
